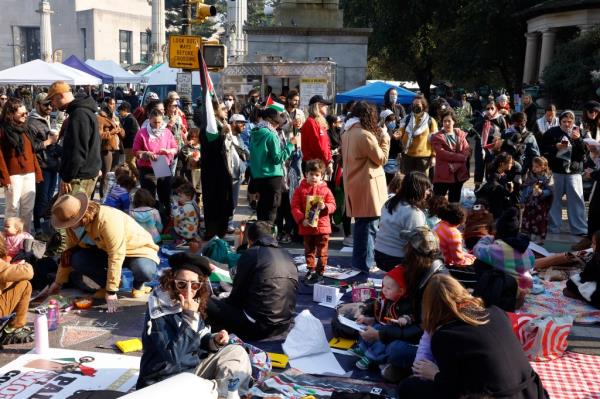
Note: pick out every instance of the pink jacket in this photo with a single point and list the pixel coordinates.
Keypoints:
(299, 207)
(143, 142)
(450, 163)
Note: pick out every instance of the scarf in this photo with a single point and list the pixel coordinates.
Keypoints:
(155, 134)
(14, 134)
(485, 132)
(413, 130)
(350, 122)
(160, 304)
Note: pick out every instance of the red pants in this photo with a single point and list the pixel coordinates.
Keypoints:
(316, 246)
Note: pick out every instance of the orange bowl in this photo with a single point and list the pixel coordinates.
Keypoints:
(83, 303)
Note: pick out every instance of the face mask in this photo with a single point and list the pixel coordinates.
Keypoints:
(417, 109)
(391, 126)
(393, 99)
(253, 100)
(229, 104)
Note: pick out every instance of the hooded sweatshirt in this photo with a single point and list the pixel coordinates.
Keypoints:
(149, 219)
(81, 145)
(266, 154)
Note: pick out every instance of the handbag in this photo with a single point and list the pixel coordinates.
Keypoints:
(543, 338)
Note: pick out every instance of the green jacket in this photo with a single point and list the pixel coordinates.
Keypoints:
(266, 154)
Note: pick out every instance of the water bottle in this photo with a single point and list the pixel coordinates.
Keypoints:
(232, 388)
(53, 315)
(41, 333)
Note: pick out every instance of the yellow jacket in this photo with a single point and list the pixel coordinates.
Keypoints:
(421, 144)
(120, 236)
(13, 273)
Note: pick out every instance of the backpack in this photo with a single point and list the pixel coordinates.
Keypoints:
(495, 287)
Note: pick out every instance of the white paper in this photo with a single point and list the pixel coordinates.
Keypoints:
(326, 294)
(332, 305)
(591, 142)
(539, 249)
(377, 282)
(161, 167)
(346, 249)
(308, 349)
(339, 273)
(351, 323)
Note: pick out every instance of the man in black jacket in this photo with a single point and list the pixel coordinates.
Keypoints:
(263, 299)
(81, 161)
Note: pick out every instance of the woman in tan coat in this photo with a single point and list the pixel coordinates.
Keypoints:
(365, 148)
(111, 133)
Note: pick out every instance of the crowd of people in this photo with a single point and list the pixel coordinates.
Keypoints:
(397, 172)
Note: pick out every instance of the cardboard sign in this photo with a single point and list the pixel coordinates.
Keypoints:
(184, 84)
(183, 51)
(62, 372)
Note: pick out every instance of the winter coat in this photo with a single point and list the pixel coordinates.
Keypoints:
(365, 187)
(510, 255)
(265, 284)
(20, 164)
(118, 198)
(12, 273)
(299, 207)
(171, 345)
(315, 141)
(186, 219)
(39, 128)
(485, 359)
(551, 138)
(81, 145)
(144, 142)
(522, 146)
(266, 154)
(110, 132)
(450, 162)
(382, 308)
(149, 219)
(117, 234)
(418, 146)
(130, 127)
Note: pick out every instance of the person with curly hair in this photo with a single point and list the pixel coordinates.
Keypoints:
(176, 338)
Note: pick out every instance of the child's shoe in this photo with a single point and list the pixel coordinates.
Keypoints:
(313, 277)
(363, 363)
(357, 350)
(139, 293)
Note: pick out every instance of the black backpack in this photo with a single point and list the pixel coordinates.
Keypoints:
(495, 287)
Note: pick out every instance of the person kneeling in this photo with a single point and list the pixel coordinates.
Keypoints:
(175, 337)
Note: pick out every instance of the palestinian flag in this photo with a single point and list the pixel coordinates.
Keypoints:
(275, 105)
(209, 122)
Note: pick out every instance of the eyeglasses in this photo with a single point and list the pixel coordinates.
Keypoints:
(182, 284)
(228, 99)
(490, 109)
(23, 113)
(3, 98)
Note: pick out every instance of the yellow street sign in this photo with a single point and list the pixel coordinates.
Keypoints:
(183, 51)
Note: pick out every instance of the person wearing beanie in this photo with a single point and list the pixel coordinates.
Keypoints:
(508, 250)
(385, 319)
(177, 340)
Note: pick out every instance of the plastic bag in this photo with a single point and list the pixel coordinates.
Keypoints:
(467, 198)
(543, 338)
(218, 250)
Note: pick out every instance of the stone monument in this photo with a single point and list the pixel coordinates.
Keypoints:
(309, 13)
(45, 31)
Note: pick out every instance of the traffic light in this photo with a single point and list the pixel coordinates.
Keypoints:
(203, 11)
(215, 55)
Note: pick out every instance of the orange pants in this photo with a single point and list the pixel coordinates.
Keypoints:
(16, 299)
(316, 246)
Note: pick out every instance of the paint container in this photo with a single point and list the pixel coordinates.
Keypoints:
(41, 333)
(53, 315)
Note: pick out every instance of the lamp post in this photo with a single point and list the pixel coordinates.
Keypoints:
(45, 30)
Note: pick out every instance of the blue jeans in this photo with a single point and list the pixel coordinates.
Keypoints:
(401, 354)
(572, 186)
(375, 351)
(93, 263)
(363, 250)
(44, 191)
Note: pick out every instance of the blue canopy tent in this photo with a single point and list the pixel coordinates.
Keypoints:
(373, 93)
(76, 63)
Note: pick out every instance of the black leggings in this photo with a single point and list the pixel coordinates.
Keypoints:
(269, 190)
(452, 189)
(285, 221)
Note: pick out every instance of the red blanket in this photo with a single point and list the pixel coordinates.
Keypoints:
(572, 376)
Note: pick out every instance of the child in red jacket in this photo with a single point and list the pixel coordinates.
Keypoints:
(312, 203)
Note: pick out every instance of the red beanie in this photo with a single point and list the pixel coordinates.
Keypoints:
(397, 274)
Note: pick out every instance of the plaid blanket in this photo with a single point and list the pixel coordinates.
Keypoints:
(553, 302)
(572, 376)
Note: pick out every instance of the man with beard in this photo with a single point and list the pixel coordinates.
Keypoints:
(81, 162)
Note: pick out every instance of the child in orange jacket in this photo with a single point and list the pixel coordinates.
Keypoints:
(312, 204)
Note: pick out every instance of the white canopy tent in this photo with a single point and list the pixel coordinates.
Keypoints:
(120, 76)
(40, 73)
(165, 75)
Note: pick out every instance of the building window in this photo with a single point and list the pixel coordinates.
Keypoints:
(84, 40)
(125, 47)
(145, 47)
(30, 44)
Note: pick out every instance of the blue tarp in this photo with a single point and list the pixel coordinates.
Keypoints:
(76, 63)
(373, 93)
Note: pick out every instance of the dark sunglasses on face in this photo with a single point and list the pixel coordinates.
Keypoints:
(3, 98)
(490, 109)
(182, 284)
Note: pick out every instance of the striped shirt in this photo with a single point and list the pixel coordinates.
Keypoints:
(451, 245)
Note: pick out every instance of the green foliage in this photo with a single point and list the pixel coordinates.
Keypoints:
(568, 79)
(463, 120)
(175, 15)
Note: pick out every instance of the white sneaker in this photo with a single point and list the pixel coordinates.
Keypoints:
(348, 241)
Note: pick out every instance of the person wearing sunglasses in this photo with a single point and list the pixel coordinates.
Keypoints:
(48, 154)
(176, 338)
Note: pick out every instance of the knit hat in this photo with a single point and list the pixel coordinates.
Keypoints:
(502, 97)
(397, 274)
(424, 241)
(385, 113)
(195, 263)
(508, 224)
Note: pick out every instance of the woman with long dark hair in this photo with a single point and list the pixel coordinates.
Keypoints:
(400, 215)
(19, 168)
(365, 148)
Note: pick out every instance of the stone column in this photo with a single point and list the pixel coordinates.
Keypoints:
(531, 51)
(158, 31)
(45, 31)
(237, 15)
(548, 39)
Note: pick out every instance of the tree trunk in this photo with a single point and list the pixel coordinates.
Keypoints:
(424, 78)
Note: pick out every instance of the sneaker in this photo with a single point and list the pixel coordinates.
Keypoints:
(139, 293)
(314, 278)
(585, 243)
(363, 363)
(285, 239)
(230, 229)
(348, 241)
(394, 374)
(357, 350)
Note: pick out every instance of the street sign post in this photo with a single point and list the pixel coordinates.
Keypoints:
(183, 51)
